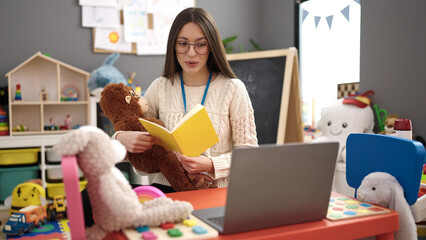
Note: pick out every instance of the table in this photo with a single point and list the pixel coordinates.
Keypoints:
(382, 226)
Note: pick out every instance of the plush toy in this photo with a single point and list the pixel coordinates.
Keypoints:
(389, 123)
(105, 74)
(26, 194)
(123, 108)
(345, 116)
(115, 205)
(384, 189)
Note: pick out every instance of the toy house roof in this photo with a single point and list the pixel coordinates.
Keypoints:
(49, 59)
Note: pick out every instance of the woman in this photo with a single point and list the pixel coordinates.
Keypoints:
(196, 71)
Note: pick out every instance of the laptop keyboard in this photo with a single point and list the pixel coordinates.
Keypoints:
(217, 220)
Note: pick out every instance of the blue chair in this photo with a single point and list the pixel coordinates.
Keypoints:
(402, 158)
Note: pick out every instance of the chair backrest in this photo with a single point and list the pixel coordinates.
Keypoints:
(73, 196)
(402, 158)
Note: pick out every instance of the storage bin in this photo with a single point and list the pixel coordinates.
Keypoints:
(55, 172)
(52, 156)
(11, 177)
(19, 156)
(53, 189)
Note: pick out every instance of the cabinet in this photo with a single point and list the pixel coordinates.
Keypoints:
(43, 92)
(34, 141)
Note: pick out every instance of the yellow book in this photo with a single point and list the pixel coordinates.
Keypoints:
(193, 134)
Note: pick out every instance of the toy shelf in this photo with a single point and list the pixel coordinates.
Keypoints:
(43, 92)
(44, 142)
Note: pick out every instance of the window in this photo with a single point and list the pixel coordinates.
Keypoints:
(329, 45)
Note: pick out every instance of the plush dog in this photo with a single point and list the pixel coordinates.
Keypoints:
(384, 189)
(389, 123)
(124, 108)
(115, 205)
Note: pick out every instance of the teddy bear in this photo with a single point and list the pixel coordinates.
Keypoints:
(343, 117)
(115, 206)
(124, 108)
(384, 189)
(104, 75)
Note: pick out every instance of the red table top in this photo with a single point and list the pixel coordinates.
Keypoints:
(382, 226)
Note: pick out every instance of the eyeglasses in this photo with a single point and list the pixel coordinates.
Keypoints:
(200, 48)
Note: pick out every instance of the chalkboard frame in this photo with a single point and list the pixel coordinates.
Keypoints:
(290, 127)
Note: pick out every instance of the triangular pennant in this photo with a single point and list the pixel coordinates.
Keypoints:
(329, 20)
(317, 19)
(357, 1)
(304, 14)
(345, 12)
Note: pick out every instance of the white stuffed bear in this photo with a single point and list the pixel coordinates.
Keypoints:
(383, 189)
(114, 203)
(341, 119)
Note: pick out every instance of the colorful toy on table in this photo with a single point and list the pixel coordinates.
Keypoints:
(384, 189)
(115, 205)
(25, 194)
(104, 75)
(348, 115)
(4, 123)
(69, 93)
(190, 228)
(341, 208)
(18, 96)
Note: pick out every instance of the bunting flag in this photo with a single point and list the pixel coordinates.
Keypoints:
(317, 19)
(304, 14)
(329, 20)
(345, 12)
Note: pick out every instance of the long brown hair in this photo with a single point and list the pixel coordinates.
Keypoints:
(217, 59)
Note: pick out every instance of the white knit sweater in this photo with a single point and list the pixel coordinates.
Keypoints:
(230, 110)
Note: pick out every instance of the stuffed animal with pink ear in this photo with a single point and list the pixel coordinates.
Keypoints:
(383, 189)
(115, 205)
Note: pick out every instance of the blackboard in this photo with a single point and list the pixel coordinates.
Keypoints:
(271, 79)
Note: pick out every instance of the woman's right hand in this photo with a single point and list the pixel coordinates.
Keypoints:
(135, 141)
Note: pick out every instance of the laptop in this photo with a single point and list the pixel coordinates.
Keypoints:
(275, 185)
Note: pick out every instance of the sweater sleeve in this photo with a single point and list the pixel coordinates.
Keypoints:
(242, 118)
(243, 129)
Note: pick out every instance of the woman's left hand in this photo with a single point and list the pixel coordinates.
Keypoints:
(195, 164)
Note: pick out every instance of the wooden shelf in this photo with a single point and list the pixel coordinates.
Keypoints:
(58, 80)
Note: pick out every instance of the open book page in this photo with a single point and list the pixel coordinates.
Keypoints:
(196, 134)
(193, 135)
(162, 136)
(188, 115)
